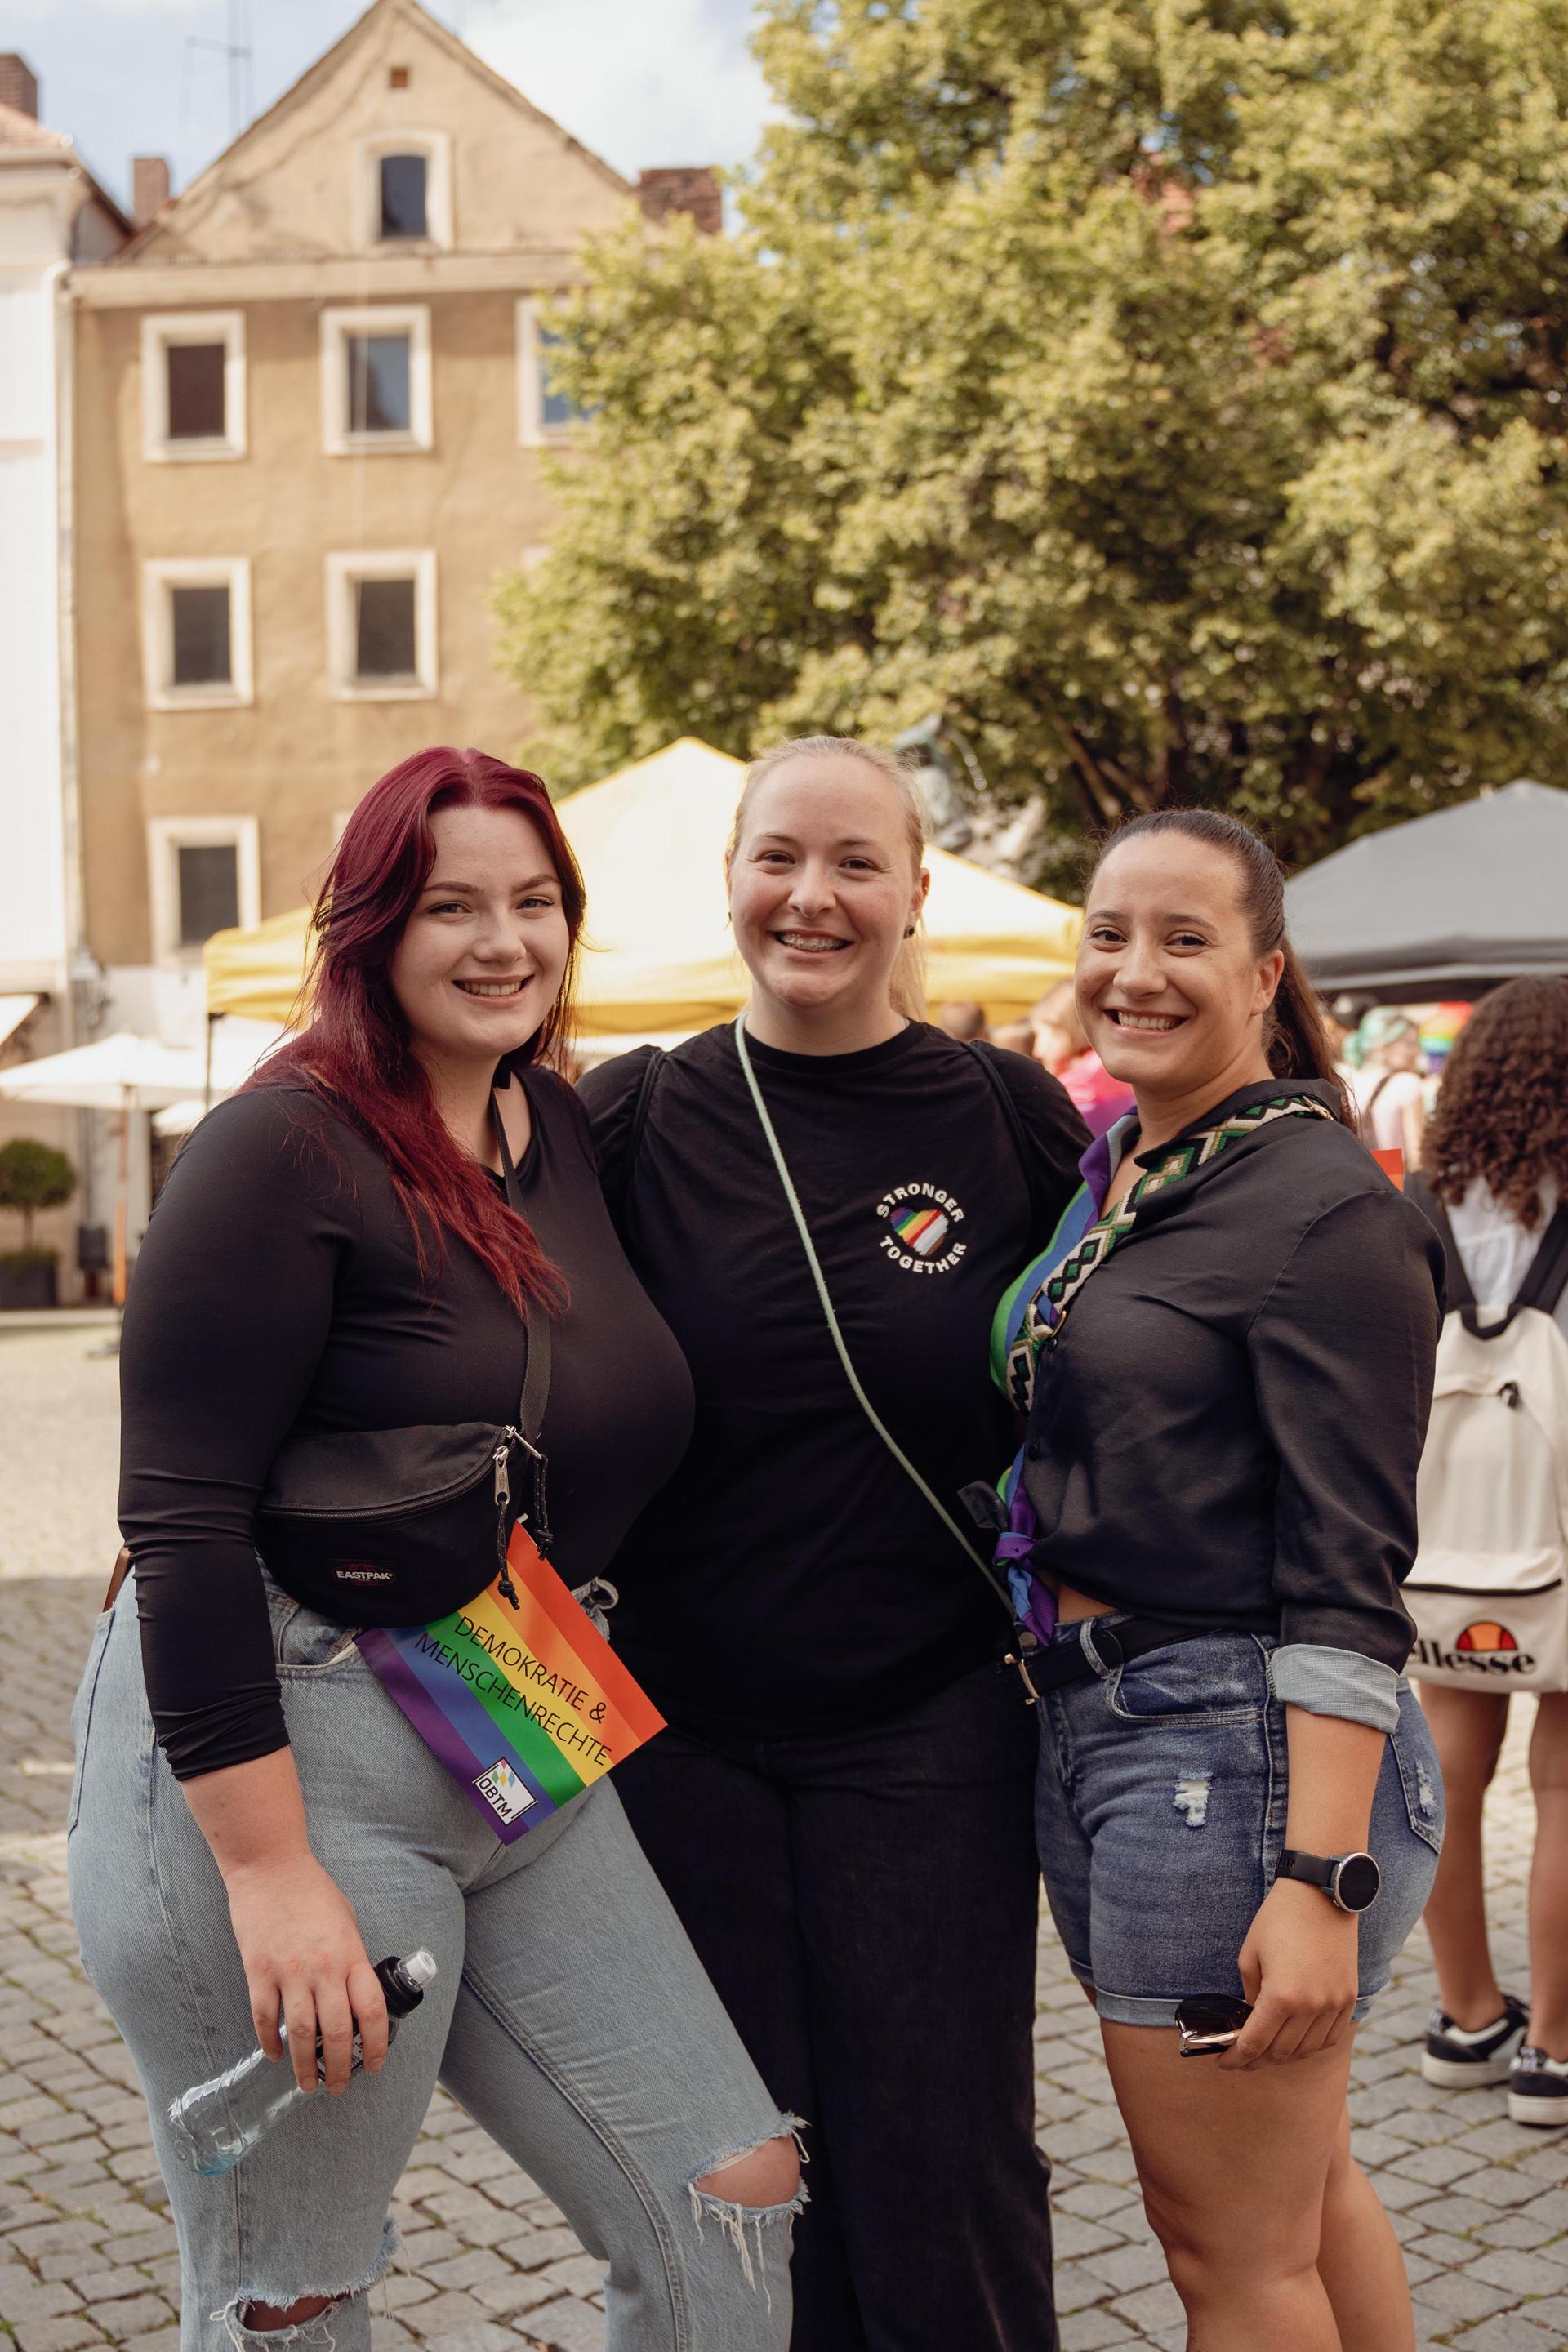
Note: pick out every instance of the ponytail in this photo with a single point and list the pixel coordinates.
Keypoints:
(1294, 1037)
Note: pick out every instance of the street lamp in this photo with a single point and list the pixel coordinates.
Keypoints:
(942, 787)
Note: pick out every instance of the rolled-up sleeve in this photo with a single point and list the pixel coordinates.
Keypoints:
(1341, 1352)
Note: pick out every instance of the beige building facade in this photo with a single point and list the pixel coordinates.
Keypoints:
(54, 217)
(312, 411)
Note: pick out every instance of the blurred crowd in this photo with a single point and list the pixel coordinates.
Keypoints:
(1390, 1056)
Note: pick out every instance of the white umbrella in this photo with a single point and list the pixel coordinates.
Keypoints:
(125, 1073)
(119, 1072)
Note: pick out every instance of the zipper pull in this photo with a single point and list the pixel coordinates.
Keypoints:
(1509, 1394)
(503, 1470)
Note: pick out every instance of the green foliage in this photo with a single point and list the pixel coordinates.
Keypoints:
(1171, 390)
(33, 1176)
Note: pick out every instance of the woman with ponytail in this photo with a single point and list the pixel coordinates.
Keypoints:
(374, 1237)
(822, 1199)
(1226, 1357)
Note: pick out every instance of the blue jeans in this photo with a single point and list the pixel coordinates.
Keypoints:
(569, 2017)
(1160, 1816)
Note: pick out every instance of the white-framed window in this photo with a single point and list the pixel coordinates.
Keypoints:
(381, 625)
(203, 876)
(193, 385)
(403, 189)
(375, 379)
(544, 413)
(195, 632)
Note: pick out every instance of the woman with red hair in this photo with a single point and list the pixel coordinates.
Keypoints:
(337, 1251)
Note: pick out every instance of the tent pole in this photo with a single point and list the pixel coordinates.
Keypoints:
(121, 1190)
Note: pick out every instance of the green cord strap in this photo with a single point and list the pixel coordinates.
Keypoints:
(853, 1377)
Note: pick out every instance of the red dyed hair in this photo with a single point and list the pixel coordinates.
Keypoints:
(356, 1051)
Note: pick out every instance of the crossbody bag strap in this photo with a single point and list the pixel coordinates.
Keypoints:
(536, 1372)
(852, 1375)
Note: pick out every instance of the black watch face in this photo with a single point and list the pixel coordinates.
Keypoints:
(1359, 1880)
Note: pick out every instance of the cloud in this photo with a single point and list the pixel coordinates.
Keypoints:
(638, 82)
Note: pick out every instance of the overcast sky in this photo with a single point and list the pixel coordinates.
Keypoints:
(639, 81)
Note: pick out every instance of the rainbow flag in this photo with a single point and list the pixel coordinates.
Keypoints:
(526, 1706)
(922, 1230)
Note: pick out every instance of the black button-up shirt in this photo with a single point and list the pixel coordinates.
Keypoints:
(1228, 1429)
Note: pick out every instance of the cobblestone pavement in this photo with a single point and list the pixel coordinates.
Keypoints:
(87, 2254)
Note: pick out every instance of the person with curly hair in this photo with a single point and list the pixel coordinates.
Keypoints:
(1497, 1157)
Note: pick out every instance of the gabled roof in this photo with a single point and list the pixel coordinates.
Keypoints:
(25, 141)
(19, 130)
(171, 217)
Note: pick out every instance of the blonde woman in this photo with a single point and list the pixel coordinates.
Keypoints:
(841, 1806)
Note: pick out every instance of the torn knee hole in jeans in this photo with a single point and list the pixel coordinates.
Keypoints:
(247, 2326)
(742, 2224)
(1193, 1797)
(317, 2334)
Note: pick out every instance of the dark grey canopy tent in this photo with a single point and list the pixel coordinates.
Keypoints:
(1444, 906)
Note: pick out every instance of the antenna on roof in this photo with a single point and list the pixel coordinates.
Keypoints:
(241, 58)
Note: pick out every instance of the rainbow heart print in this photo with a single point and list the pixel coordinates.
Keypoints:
(526, 1706)
(922, 1230)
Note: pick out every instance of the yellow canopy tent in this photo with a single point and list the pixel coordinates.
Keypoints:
(659, 954)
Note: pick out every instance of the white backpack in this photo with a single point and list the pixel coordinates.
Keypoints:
(1488, 1589)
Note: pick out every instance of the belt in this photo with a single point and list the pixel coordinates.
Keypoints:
(1116, 1646)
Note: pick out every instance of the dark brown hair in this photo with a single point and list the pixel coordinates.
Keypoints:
(1502, 1108)
(1294, 1037)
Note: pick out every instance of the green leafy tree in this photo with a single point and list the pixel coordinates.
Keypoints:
(1171, 390)
(34, 1176)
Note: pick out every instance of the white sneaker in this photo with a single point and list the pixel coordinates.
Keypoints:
(1538, 2090)
(1460, 2061)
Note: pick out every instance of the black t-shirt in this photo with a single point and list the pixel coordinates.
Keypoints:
(791, 1576)
(279, 1290)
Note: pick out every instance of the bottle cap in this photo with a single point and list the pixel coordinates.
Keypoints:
(403, 1981)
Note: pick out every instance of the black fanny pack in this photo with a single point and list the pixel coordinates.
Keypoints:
(402, 1519)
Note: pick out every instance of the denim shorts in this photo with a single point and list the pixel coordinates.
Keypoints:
(1160, 1815)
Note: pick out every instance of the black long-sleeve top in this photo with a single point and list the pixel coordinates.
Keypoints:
(279, 1290)
(1227, 1431)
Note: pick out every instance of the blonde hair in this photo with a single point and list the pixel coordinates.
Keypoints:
(906, 985)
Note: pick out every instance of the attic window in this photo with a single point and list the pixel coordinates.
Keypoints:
(402, 186)
(403, 207)
(397, 77)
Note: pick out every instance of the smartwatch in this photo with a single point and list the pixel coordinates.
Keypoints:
(1349, 1880)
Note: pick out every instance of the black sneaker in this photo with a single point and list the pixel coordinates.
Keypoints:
(1538, 2090)
(1458, 2061)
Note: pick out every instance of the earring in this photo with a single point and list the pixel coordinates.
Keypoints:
(911, 932)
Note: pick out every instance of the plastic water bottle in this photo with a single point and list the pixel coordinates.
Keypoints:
(214, 2124)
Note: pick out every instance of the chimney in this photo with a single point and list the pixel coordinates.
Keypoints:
(691, 188)
(149, 187)
(19, 84)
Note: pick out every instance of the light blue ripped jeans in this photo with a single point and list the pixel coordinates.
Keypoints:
(571, 2017)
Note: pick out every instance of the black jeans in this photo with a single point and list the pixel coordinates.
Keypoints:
(866, 1903)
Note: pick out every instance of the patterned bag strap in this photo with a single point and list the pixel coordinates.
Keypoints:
(1041, 1324)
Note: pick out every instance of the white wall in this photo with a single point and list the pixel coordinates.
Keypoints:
(33, 239)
